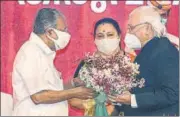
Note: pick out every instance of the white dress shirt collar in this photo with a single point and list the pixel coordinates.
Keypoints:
(36, 39)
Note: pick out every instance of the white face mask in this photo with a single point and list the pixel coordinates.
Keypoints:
(62, 41)
(132, 41)
(107, 46)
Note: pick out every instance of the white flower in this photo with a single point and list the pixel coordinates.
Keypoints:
(107, 72)
(116, 67)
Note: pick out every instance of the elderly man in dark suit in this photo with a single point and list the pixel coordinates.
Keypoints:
(159, 65)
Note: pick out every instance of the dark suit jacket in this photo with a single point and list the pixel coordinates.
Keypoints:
(159, 65)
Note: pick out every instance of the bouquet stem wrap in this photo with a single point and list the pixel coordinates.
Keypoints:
(100, 107)
(89, 107)
(96, 107)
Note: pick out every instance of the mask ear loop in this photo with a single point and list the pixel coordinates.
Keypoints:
(54, 31)
(48, 29)
(46, 33)
(52, 39)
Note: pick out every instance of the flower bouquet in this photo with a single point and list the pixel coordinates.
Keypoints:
(109, 76)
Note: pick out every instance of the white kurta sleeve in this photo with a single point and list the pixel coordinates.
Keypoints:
(28, 67)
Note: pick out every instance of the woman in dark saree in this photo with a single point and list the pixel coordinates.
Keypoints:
(107, 35)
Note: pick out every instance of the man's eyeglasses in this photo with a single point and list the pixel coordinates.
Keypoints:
(131, 28)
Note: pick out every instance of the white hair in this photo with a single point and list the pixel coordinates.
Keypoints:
(150, 15)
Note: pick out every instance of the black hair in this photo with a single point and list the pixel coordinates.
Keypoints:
(109, 21)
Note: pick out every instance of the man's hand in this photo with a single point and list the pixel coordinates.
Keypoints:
(83, 93)
(124, 98)
(74, 82)
(77, 82)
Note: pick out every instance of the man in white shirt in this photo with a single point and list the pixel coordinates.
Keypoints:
(37, 85)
